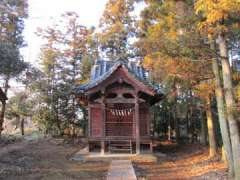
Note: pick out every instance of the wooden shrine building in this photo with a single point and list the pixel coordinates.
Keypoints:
(118, 97)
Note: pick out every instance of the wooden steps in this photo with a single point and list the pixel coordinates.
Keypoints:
(124, 146)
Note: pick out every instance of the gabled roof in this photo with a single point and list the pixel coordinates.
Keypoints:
(103, 69)
(3, 96)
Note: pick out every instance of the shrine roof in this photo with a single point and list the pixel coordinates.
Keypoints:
(103, 69)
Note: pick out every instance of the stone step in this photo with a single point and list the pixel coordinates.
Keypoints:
(121, 170)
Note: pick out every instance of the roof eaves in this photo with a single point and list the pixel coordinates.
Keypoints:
(95, 82)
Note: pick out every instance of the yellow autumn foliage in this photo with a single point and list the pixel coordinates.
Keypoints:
(216, 13)
(172, 46)
(238, 93)
(204, 89)
(148, 62)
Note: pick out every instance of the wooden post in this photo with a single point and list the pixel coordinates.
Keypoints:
(149, 121)
(103, 124)
(102, 147)
(137, 125)
(89, 126)
(89, 120)
(151, 146)
(103, 120)
(88, 146)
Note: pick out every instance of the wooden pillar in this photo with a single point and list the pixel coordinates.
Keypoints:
(89, 127)
(149, 121)
(151, 146)
(137, 125)
(103, 120)
(102, 147)
(103, 124)
(88, 146)
(89, 120)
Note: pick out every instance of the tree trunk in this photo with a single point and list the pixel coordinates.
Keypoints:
(203, 138)
(227, 153)
(176, 124)
(174, 113)
(224, 158)
(211, 130)
(22, 126)
(230, 105)
(169, 126)
(169, 132)
(17, 121)
(177, 134)
(2, 115)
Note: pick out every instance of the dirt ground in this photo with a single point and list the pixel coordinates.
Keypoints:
(48, 159)
(182, 163)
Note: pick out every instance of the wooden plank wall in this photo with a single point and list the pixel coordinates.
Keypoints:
(144, 120)
(96, 121)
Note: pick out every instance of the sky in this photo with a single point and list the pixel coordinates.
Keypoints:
(43, 13)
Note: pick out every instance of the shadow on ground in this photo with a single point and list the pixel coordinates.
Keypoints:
(182, 162)
(49, 159)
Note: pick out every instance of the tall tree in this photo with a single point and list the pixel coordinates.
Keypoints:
(12, 15)
(66, 60)
(221, 112)
(172, 49)
(117, 29)
(220, 18)
(205, 91)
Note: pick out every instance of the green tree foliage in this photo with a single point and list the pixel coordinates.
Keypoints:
(12, 15)
(19, 107)
(11, 63)
(66, 60)
(117, 29)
